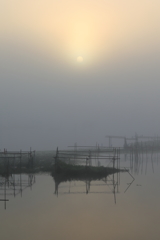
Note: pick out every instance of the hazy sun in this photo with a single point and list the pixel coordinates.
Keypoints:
(80, 59)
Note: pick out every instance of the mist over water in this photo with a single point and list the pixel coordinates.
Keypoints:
(44, 105)
(48, 99)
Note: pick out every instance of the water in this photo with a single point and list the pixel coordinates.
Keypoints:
(106, 212)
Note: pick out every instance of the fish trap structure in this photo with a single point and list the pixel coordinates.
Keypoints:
(89, 156)
(87, 165)
(14, 161)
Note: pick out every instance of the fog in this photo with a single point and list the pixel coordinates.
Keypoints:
(46, 102)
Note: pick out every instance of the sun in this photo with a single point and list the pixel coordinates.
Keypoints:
(80, 59)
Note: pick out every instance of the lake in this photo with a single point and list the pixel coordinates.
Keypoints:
(121, 207)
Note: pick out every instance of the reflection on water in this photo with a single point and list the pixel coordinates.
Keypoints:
(14, 184)
(139, 162)
(84, 209)
(87, 185)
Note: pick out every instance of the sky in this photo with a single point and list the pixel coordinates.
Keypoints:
(75, 71)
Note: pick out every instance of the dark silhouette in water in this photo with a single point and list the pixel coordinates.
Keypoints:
(63, 172)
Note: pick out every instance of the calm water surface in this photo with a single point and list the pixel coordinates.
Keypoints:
(106, 212)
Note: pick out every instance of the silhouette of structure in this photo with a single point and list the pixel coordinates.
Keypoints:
(89, 156)
(12, 181)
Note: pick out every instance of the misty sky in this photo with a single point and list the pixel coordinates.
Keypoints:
(49, 99)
